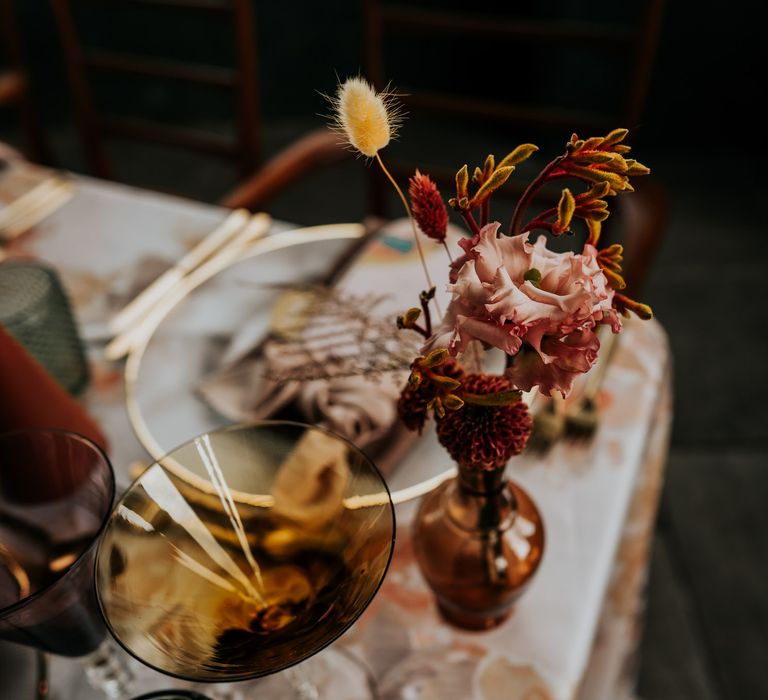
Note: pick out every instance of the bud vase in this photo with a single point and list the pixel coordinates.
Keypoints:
(478, 539)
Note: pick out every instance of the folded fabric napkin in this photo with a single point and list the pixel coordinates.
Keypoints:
(326, 372)
(335, 357)
(309, 486)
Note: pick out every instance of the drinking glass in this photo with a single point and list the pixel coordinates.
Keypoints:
(245, 552)
(36, 311)
(56, 494)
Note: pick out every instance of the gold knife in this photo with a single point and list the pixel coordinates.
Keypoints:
(255, 228)
(34, 206)
(214, 241)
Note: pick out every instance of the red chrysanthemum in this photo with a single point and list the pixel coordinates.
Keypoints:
(485, 437)
(428, 207)
(412, 405)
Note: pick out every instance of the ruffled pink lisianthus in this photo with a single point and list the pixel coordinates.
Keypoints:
(536, 305)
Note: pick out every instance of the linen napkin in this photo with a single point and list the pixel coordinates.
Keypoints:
(325, 374)
(282, 376)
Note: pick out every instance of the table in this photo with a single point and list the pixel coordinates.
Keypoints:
(573, 634)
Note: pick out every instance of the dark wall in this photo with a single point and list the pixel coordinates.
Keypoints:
(707, 80)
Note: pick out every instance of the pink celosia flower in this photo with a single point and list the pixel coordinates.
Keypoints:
(428, 207)
(537, 305)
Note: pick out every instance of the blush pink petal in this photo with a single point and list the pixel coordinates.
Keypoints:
(576, 352)
(466, 244)
(612, 318)
(446, 334)
(509, 302)
(468, 287)
(528, 371)
(568, 357)
(517, 255)
(487, 253)
(546, 326)
(534, 337)
(488, 332)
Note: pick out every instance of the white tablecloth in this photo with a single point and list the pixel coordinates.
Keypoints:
(573, 632)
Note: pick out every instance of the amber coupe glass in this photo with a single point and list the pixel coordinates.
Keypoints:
(245, 551)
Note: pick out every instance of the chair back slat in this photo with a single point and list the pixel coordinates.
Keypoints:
(215, 76)
(625, 49)
(192, 139)
(84, 63)
(412, 21)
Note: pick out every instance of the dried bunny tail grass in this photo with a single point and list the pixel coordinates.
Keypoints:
(368, 121)
(365, 119)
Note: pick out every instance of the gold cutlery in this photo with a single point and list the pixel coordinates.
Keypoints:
(255, 228)
(214, 241)
(582, 419)
(34, 206)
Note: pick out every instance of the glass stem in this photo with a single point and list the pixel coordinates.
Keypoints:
(301, 680)
(107, 671)
(42, 688)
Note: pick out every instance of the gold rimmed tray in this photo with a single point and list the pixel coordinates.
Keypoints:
(185, 343)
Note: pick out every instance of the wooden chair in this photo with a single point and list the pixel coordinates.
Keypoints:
(318, 149)
(241, 80)
(14, 84)
(642, 215)
(630, 44)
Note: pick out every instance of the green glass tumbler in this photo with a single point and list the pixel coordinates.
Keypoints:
(35, 310)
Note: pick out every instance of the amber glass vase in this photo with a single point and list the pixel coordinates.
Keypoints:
(479, 539)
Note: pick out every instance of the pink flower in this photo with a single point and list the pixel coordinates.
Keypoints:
(537, 305)
(569, 356)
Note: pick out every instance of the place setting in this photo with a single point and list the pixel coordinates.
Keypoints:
(341, 461)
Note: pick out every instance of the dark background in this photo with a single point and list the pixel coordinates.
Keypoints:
(708, 84)
(702, 134)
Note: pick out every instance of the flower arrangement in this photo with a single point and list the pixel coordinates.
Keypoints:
(540, 307)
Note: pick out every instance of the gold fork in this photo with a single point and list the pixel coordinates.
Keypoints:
(34, 206)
